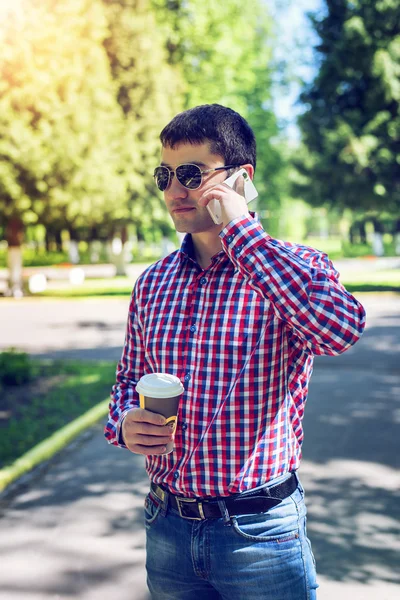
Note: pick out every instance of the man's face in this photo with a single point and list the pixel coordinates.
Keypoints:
(182, 203)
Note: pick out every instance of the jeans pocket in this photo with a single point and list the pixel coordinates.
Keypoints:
(151, 511)
(260, 528)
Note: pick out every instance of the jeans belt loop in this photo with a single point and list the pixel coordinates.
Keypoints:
(164, 501)
(224, 512)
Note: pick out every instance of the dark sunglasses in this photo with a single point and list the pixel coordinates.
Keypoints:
(188, 175)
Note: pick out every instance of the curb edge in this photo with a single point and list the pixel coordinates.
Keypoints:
(51, 445)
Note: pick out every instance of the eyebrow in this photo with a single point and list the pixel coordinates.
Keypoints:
(191, 162)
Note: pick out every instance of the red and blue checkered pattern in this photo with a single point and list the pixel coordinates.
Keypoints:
(241, 336)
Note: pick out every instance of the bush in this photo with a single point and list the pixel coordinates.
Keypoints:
(15, 368)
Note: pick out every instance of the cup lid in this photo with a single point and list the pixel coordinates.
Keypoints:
(159, 385)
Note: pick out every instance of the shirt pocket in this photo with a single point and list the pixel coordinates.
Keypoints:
(244, 323)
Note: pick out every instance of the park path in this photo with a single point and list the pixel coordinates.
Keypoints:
(73, 529)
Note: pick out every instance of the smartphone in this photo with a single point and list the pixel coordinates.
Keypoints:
(250, 193)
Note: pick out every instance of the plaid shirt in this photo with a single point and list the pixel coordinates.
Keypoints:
(241, 336)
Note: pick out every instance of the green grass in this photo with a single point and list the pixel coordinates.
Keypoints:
(337, 248)
(51, 445)
(116, 286)
(40, 258)
(373, 281)
(60, 392)
(366, 279)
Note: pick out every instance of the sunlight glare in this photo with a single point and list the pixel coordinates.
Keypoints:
(8, 5)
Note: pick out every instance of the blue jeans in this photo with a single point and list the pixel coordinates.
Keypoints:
(251, 557)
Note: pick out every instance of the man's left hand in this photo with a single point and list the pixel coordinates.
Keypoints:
(233, 204)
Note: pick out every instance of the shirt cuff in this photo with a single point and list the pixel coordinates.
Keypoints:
(245, 230)
(118, 430)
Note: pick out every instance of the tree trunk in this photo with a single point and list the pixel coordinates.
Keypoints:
(73, 248)
(396, 237)
(14, 238)
(58, 240)
(377, 240)
(351, 234)
(363, 233)
(119, 252)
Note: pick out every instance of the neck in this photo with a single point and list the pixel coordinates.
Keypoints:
(206, 245)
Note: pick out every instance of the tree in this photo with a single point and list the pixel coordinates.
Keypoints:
(224, 53)
(351, 123)
(149, 92)
(60, 126)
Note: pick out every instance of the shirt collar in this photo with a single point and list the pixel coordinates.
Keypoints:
(187, 249)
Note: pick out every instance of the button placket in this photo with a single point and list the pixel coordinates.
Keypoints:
(190, 329)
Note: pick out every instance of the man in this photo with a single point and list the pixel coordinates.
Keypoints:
(238, 317)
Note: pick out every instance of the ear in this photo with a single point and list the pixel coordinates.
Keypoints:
(250, 169)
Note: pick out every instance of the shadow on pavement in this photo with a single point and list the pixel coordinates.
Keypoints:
(354, 527)
(351, 461)
(78, 527)
(100, 353)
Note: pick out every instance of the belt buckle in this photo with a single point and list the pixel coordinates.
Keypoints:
(181, 507)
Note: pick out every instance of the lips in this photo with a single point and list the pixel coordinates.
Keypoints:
(183, 209)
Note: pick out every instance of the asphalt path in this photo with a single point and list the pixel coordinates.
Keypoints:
(73, 528)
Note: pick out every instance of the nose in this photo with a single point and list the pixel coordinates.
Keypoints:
(176, 189)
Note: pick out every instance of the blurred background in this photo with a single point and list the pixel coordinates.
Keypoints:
(87, 85)
(85, 88)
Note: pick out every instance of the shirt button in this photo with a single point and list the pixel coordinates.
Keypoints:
(229, 238)
(203, 280)
(187, 377)
(193, 328)
(184, 426)
(176, 474)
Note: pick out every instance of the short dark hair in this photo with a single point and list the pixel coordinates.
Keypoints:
(229, 134)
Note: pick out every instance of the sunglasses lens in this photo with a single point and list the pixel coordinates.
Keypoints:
(189, 176)
(161, 176)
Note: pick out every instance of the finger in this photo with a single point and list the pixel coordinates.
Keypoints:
(147, 450)
(147, 429)
(211, 195)
(150, 440)
(141, 415)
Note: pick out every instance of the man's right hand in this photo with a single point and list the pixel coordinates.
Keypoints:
(145, 432)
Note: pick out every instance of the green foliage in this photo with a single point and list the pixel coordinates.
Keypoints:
(148, 91)
(60, 126)
(61, 393)
(223, 51)
(16, 368)
(351, 125)
(87, 85)
(218, 47)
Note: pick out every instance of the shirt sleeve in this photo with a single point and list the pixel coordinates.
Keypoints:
(129, 370)
(301, 283)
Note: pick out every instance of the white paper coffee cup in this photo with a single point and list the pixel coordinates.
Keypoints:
(160, 393)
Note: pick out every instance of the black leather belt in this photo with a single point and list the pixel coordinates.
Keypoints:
(258, 501)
